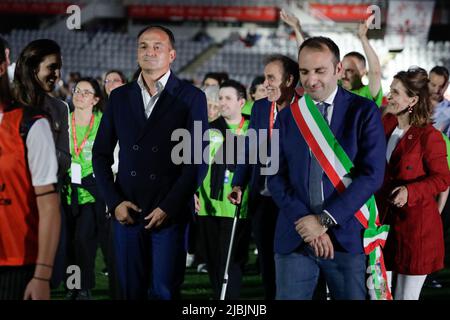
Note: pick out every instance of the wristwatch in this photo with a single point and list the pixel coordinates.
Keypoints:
(326, 221)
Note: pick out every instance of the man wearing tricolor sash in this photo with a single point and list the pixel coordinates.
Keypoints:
(331, 157)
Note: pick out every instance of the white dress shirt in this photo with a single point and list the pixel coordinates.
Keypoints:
(394, 139)
(149, 100)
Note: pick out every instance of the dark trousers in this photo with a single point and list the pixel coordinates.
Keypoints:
(264, 218)
(150, 263)
(216, 233)
(82, 239)
(59, 264)
(14, 280)
(113, 277)
(195, 241)
(103, 229)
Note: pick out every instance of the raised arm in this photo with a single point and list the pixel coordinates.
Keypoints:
(294, 23)
(374, 72)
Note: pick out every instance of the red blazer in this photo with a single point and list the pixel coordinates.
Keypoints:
(415, 244)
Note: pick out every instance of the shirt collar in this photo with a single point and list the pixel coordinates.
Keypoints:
(330, 98)
(160, 83)
(443, 104)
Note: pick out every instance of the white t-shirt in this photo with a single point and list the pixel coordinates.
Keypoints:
(396, 135)
(41, 154)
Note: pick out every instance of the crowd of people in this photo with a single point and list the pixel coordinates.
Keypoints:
(97, 170)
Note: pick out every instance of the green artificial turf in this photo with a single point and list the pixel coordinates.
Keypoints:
(196, 285)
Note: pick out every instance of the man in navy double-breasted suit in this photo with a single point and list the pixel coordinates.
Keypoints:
(152, 197)
(323, 235)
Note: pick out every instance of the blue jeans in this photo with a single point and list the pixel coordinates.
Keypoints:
(297, 274)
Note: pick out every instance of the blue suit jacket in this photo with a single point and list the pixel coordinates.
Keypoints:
(147, 175)
(356, 123)
(250, 174)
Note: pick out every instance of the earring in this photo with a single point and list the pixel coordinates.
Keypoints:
(410, 109)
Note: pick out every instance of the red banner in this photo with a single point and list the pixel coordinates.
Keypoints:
(341, 12)
(34, 7)
(217, 13)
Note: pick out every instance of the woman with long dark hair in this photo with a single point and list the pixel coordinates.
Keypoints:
(37, 71)
(29, 205)
(417, 171)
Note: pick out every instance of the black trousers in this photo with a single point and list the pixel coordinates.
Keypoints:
(14, 281)
(216, 233)
(264, 213)
(82, 240)
(196, 243)
(113, 277)
(59, 264)
(103, 228)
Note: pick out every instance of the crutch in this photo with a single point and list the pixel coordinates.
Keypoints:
(237, 213)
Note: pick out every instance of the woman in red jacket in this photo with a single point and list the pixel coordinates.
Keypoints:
(416, 172)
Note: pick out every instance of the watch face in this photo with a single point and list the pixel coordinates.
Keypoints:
(325, 220)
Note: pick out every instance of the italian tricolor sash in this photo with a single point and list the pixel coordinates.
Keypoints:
(337, 165)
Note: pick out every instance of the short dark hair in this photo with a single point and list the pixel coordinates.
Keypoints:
(239, 87)
(358, 56)
(256, 82)
(219, 76)
(290, 67)
(319, 43)
(164, 29)
(441, 71)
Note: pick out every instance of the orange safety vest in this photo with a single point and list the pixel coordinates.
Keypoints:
(19, 219)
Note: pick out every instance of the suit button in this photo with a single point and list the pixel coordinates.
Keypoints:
(155, 149)
(133, 173)
(152, 177)
(135, 147)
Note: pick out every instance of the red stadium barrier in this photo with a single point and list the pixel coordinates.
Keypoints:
(224, 13)
(341, 12)
(48, 8)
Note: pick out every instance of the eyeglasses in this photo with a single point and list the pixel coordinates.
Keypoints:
(112, 81)
(84, 93)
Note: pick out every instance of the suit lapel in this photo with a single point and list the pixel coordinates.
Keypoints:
(406, 143)
(340, 106)
(265, 115)
(137, 105)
